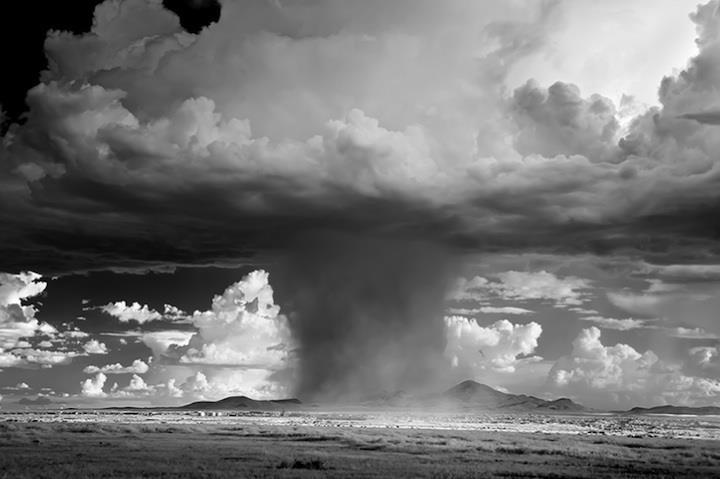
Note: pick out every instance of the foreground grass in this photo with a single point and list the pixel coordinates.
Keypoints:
(84, 450)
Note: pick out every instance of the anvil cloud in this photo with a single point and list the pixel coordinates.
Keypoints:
(147, 145)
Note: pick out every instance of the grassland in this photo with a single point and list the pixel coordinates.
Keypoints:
(83, 450)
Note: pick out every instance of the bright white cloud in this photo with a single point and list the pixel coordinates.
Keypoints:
(523, 286)
(645, 304)
(616, 62)
(705, 360)
(620, 376)
(131, 312)
(137, 384)
(93, 387)
(243, 328)
(160, 341)
(18, 325)
(542, 285)
(705, 355)
(218, 383)
(74, 334)
(48, 358)
(9, 360)
(95, 347)
(688, 333)
(137, 367)
(498, 346)
(14, 288)
(613, 323)
(599, 367)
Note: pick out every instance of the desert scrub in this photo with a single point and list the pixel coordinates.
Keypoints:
(314, 464)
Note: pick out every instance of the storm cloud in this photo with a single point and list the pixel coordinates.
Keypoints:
(146, 145)
(359, 150)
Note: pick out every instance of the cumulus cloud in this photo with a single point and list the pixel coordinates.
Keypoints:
(17, 320)
(241, 345)
(614, 323)
(74, 333)
(559, 121)
(93, 387)
(523, 286)
(95, 347)
(14, 288)
(621, 376)
(160, 341)
(18, 325)
(689, 333)
(644, 304)
(599, 367)
(137, 367)
(500, 346)
(48, 358)
(131, 312)
(137, 384)
(704, 361)
(244, 327)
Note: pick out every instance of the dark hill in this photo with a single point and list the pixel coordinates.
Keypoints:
(668, 409)
(471, 394)
(242, 402)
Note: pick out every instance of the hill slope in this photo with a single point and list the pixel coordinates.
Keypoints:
(243, 402)
(471, 394)
(668, 409)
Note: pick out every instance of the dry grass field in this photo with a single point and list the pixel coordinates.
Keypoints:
(94, 450)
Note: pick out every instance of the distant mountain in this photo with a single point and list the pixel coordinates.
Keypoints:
(667, 409)
(564, 404)
(244, 403)
(467, 395)
(471, 394)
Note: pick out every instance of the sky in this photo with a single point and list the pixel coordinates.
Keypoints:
(340, 200)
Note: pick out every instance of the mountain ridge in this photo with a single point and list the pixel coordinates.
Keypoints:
(243, 402)
(468, 395)
(677, 410)
(471, 394)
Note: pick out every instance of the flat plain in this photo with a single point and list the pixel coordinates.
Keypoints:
(274, 445)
